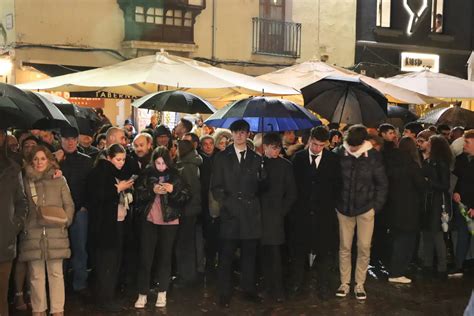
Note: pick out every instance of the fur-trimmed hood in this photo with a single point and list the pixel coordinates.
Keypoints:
(34, 175)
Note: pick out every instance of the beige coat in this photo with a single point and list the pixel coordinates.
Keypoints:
(45, 243)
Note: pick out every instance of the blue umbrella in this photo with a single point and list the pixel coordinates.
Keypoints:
(265, 114)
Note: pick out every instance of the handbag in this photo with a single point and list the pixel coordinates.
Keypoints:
(51, 216)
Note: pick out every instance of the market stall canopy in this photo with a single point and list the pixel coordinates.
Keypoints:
(302, 75)
(147, 74)
(434, 84)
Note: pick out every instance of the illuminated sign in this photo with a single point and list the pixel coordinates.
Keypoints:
(418, 62)
(415, 15)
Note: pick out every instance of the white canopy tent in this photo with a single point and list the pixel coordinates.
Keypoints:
(306, 73)
(434, 84)
(147, 74)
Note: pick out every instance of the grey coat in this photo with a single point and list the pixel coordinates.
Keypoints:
(39, 242)
(13, 208)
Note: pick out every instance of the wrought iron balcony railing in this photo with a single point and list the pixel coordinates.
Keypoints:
(277, 38)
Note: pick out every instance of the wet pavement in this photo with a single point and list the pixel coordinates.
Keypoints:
(426, 296)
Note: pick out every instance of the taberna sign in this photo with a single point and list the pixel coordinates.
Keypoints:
(419, 62)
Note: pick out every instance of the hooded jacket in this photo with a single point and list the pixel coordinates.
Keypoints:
(364, 182)
(38, 242)
(189, 168)
(13, 210)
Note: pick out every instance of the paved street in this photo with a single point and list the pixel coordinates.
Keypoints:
(424, 297)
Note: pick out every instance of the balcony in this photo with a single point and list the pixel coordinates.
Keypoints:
(277, 38)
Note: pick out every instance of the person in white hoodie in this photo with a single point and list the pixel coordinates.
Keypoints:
(364, 191)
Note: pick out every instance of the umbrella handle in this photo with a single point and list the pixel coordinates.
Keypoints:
(344, 104)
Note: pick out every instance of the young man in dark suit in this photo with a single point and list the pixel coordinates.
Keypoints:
(313, 223)
(234, 184)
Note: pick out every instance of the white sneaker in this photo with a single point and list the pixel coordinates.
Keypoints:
(359, 292)
(141, 301)
(343, 290)
(402, 280)
(161, 299)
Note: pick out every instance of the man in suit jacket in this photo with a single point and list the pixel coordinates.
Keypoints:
(234, 184)
(313, 223)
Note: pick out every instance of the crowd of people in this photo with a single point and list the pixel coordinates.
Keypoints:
(147, 209)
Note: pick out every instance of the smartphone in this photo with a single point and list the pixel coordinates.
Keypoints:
(133, 177)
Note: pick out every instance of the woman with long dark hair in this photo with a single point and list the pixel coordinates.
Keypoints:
(436, 170)
(160, 195)
(109, 204)
(403, 207)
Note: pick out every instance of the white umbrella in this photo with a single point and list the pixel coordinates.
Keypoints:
(142, 75)
(434, 84)
(302, 75)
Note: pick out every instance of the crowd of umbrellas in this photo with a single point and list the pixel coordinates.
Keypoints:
(269, 102)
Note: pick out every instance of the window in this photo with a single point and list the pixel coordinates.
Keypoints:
(152, 15)
(175, 17)
(383, 13)
(188, 19)
(140, 14)
(437, 16)
(272, 9)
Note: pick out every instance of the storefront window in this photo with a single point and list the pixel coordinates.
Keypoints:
(383, 13)
(437, 16)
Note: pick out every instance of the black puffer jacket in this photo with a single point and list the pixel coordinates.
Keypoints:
(364, 182)
(144, 195)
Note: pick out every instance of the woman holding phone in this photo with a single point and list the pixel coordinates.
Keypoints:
(160, 195)
(106, 226)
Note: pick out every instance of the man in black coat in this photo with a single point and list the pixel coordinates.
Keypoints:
(464, 193)
(277, 199)
(235, 185)
(313, 224)
(364, 190)
(210, 223)
(76, 167)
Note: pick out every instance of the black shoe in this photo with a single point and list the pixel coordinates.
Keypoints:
(111, 307)
(441, 275)
(252, 298)
(323, 294)
(224, 302)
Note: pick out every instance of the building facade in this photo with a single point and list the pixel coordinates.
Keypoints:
(404, 35)
(55, 37)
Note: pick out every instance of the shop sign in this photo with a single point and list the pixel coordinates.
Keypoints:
(419, 62)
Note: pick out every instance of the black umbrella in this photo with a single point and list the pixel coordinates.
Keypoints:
(85, 120)
(452, 116)
(265, 115)
(174, 101)
(398, 116)
(17, 110)
(346, 100)
(53, 118)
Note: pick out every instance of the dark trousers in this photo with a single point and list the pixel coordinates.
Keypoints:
(5, 269)
(247, 265)
(323, 263)
(131, 242)
(211, 236)
(156, 240)
(78, 261)
(434, 241)
(463, 242)
(186, 249)
(403, 245)
(108, 263)
(272, 270)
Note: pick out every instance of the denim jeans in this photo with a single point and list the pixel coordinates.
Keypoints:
(78, 262)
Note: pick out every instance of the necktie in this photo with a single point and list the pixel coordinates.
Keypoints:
(313, 160)
(242, 157)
